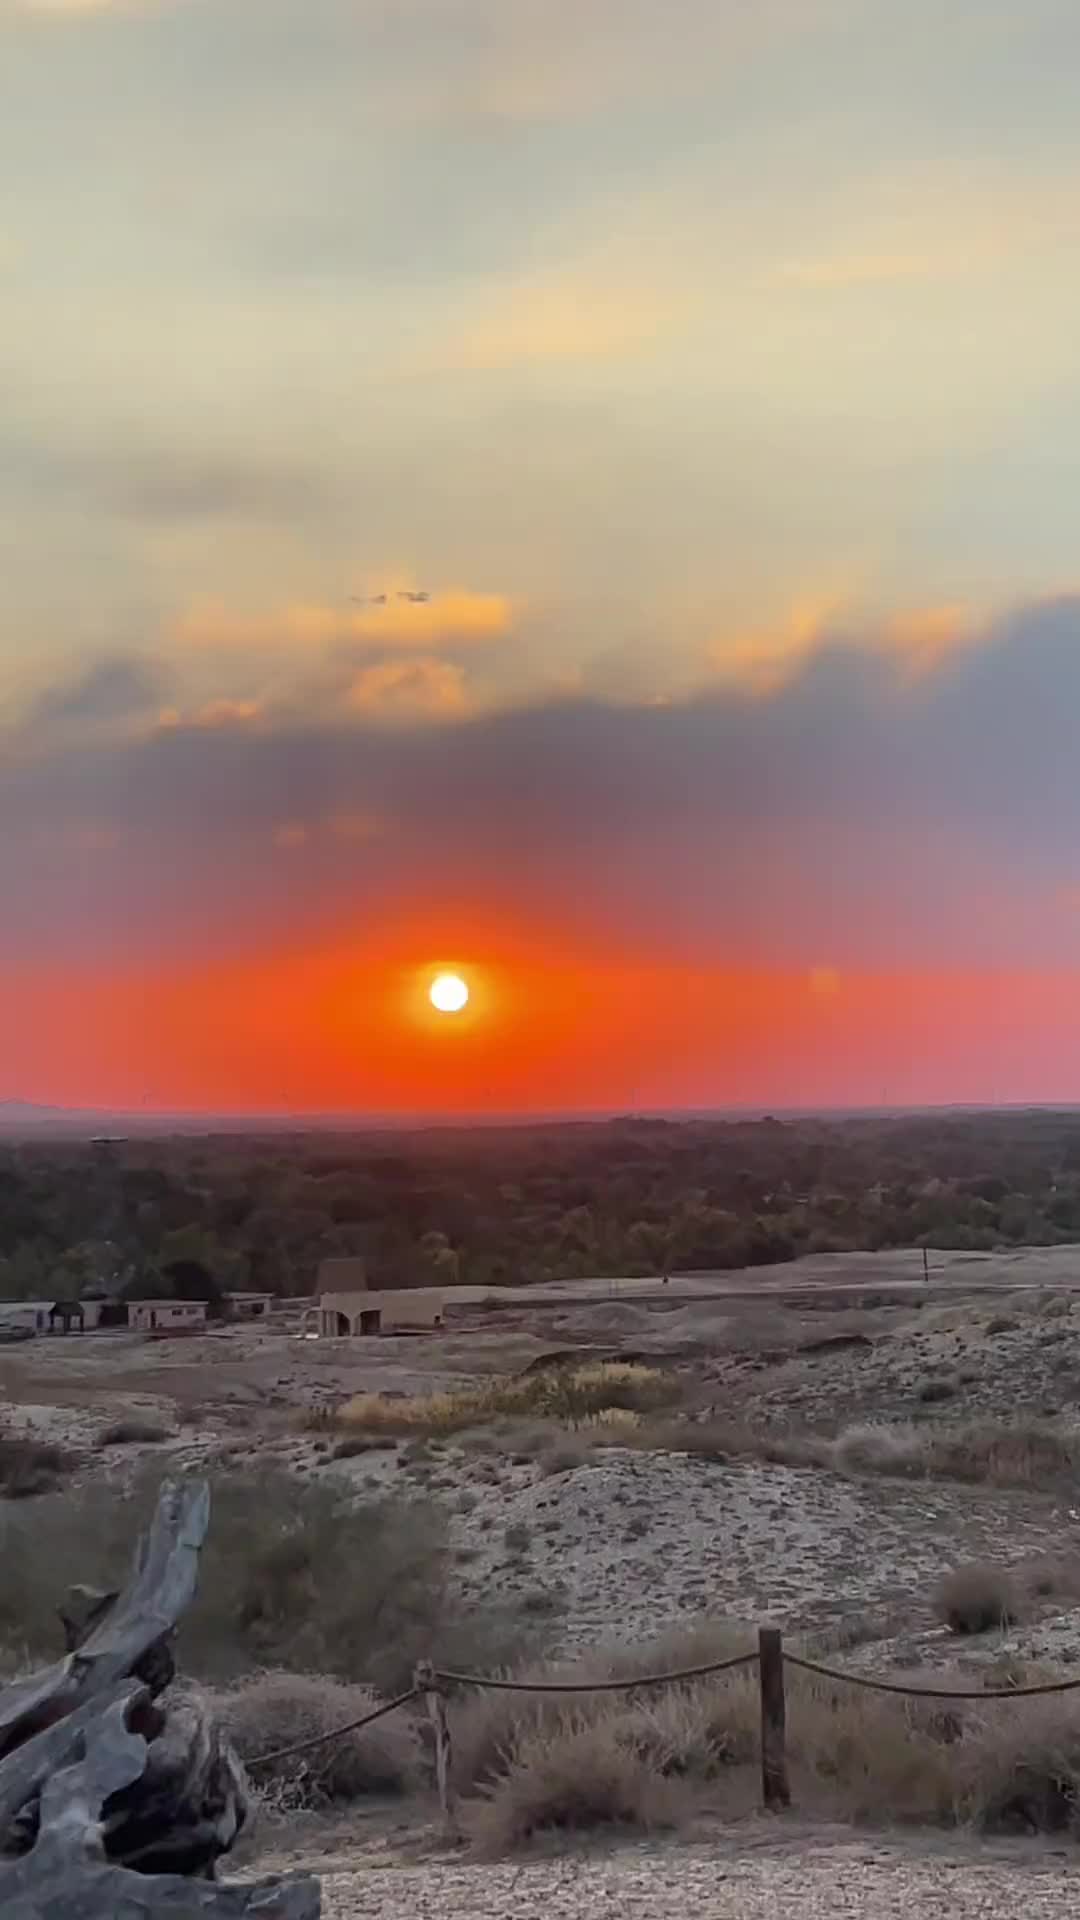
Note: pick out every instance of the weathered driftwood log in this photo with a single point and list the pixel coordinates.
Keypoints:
(145, 1613)
(99, 1777)
(66, 1875)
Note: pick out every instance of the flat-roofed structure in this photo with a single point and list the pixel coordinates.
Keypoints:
(348, 1306)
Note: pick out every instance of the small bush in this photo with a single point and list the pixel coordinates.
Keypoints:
(293, 1573)
(1000, 1453)
(564, 1455)
(1019, 1771)
(355, 1444)
(30, 1467)
(276, 1710)
(517, 1538)
(931, 1392)
(541, 1600)
(577, 1777)
(1054, 1576)
(486, 1725)
(976, 1599)
(133, 1433)
(1001, 1323)
(697, 1732)
(874, 1758)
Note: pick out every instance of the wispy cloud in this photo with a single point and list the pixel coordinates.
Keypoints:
(858, 270)
(574, 316)
(408, 690)
(213, 714)
(854, 814)
(71, 8)
(398, 617)
(914, 641)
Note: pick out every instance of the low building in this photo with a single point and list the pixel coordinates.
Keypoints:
(249, 1306)
(101, 1310)
(67, 1316)
(31, 1316)
(166, 1316)
(347, 1305)
(395, 1310)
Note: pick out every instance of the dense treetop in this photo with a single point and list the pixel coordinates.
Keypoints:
(527, 1204)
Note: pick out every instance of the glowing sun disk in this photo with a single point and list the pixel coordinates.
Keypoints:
(448, 993)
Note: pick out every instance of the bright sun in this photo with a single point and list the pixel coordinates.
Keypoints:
(448, 993)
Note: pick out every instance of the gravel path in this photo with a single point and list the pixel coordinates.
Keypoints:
(815, 1881)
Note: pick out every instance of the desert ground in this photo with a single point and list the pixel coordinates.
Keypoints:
(752, 1495)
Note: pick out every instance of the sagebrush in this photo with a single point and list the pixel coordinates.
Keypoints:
(292, 1574)
(273, 1712)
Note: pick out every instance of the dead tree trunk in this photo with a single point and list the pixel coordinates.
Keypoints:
(115, 1805)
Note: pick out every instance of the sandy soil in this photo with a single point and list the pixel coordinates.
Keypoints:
(783, 1871)
(632, 1544)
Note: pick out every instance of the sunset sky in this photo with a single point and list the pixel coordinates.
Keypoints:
(710, 370)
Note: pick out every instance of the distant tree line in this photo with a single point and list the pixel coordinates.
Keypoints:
(197, 1217)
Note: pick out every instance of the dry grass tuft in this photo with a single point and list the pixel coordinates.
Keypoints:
(1018, 1771)
(865, 1757)
(527, 1765)
(570, 1395)
(276, 1710)
(579, 1777)
(976, 1599)
(30, 1467)
(1022, 1453)
(486, 1725)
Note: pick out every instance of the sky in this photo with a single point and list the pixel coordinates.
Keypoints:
(581, 493)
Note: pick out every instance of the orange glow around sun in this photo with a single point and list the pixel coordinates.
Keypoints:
(554, 1021)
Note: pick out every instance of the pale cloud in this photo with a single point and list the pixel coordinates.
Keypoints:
(538, 61)
(72, 8)
(410, 690)
(857, 270)
(924, 638)
(763, 662)
(210, 716)
(557, 319)
(228, 713)
(916, 641)
(935, 224)
(452, 618)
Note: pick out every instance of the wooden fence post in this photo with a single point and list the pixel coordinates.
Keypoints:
(426, 1683)
(775, 1791)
